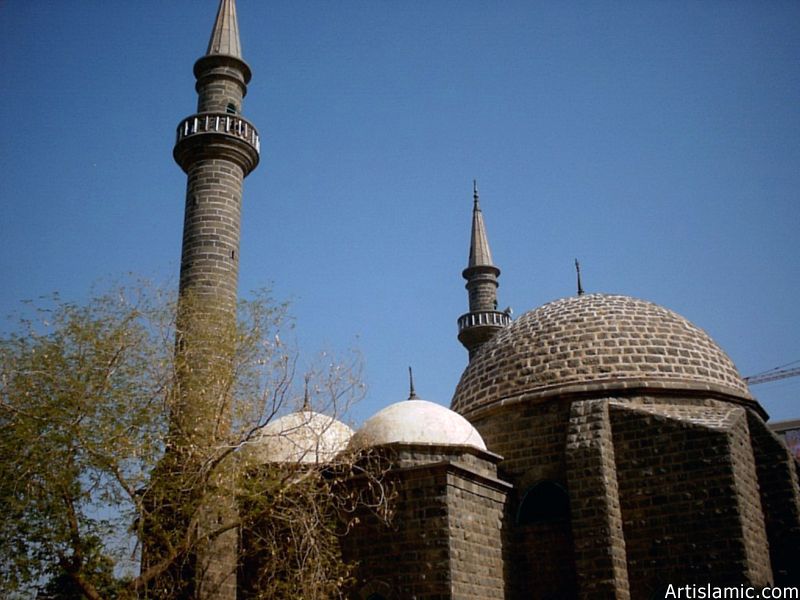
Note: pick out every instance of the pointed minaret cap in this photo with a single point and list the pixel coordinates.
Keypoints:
(480, 255)
(225, 35)
(224, 49)
(479, 252)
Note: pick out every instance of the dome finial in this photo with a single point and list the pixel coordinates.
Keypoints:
(412, 395)
(578, 271)
(306, 401)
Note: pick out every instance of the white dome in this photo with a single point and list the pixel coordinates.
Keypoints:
(304, 436)
(417, 422)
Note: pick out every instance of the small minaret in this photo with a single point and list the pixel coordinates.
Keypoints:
(483, 319)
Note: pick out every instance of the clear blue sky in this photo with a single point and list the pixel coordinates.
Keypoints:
(658, 142)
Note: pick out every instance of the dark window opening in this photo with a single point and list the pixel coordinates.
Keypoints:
(545, 502)
(232, 109)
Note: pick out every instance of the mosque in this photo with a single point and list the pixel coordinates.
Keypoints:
(599, 446)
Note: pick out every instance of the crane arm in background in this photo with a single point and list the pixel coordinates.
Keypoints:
(775, 374)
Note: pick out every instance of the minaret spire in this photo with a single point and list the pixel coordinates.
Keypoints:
(578, 271)
(225, 35)
(222, 75)
(479, 252)
(483, 319)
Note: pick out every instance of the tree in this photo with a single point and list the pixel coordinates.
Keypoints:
(87, 418)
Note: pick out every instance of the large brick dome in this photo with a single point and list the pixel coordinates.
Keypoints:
(595, 342)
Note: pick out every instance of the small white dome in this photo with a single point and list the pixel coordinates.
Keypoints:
(304, 436)
(417, 422)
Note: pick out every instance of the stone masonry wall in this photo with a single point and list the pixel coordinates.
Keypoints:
(688, 494)
(209, 262)
(410, 557)
(689, 471)
(531, 438)
(472, 459)
(214, 94)
(444, 541)
(475, 521)
(780, 498)
(482, 293)
(600, 547)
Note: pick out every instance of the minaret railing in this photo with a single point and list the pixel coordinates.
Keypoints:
(490, 318)
(223, 123)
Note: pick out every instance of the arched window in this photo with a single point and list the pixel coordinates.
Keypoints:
(231, 110)
(544, 502)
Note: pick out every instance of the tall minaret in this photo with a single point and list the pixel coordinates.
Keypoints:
(217, 148)
(483, 319)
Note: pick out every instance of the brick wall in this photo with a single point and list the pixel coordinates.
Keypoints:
(600, 547)
(216, 92)
(444, 541)
(475, 527)
(482, 291)
(210, 256)
(780, 497)
(531, 438)
(689, 470)
(689, 496)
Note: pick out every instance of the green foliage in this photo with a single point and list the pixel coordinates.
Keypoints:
(116, 425)
(82, 421)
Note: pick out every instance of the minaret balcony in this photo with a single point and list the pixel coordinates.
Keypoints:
(219, 123)
(483, 318)
(214, 132)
